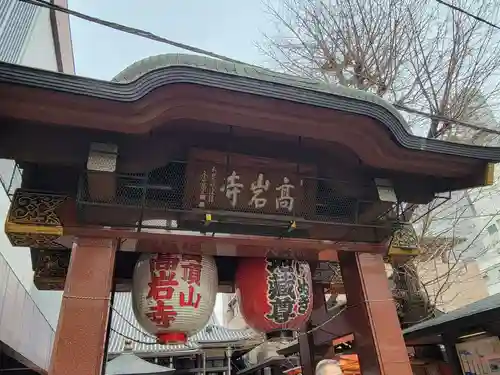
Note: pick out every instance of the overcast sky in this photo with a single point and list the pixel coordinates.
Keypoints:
(226, 27)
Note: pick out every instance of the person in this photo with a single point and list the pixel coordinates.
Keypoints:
(328, 367)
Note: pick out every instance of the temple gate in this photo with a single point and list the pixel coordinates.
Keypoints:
(187, 155)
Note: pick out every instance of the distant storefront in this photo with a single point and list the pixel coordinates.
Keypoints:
(480, 356)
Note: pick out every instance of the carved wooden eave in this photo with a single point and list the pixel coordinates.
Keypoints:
(200, 89)
(80, 140)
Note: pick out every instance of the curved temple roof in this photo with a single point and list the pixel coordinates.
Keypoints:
(146, 75)
(462, 317)
(149, 64)
(123, 323)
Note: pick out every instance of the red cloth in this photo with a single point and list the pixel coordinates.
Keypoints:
(349, 363)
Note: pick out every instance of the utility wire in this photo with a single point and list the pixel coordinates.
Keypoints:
(477, 18)
(157, 38)
(445, 119)
(151, 36)
(320, 326)
(134, 340)
(129, 30)
(236, 347)
(154, 37)
(115, 311)
(153, 338)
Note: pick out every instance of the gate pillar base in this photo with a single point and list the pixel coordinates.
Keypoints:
(372, 313)
(79, 344)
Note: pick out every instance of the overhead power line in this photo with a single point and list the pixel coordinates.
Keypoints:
(477, 18)
(135, 327)
(133, 339)
(157, 38)
(129, 30)
(445, 119)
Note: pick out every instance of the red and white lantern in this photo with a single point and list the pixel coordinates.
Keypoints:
(173, 295)
(274, 294)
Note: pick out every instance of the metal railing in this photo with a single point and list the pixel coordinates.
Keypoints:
(181, 191)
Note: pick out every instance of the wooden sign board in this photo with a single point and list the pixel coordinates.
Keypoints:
(233, 182)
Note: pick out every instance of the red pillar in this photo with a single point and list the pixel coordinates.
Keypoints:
(81, 331)
(372, 312)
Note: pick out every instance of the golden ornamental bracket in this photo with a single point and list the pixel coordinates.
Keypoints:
(50, 268)
(404, 241)
(33, 220)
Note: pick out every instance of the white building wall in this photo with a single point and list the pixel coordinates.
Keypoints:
(39, 50)
(16, 22)
(25, 39)
(232, 314)
(486, 226)
(19, 260)
(22, 326)
(464, 286)
(489, 262)
(473, 216)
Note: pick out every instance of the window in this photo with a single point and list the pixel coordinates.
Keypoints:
(492, 229)
(445, 256)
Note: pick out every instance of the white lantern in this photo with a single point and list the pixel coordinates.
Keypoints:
(173, 295)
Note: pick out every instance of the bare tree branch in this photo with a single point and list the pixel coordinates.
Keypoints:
(418, 54)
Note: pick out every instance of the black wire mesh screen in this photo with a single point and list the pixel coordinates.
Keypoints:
(235, 193)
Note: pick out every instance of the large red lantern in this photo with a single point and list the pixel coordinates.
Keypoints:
(173, 295)
(274, 294)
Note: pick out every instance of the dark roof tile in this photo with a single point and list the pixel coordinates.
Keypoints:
(125, 324)
(479, 307)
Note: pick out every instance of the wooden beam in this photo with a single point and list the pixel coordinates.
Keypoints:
(48, 221)
(333, 326)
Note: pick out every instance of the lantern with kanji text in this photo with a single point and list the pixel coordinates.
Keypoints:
(173, 295)
(274, 295)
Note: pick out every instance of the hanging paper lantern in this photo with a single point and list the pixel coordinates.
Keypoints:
(173, 295)
(274, 294)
